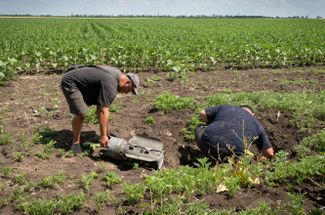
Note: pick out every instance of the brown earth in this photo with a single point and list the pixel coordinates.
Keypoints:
(32, 102)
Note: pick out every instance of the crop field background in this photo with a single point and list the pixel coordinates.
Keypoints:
(274, 65)
(178, 45)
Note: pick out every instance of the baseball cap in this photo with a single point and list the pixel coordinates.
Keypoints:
(135, 82)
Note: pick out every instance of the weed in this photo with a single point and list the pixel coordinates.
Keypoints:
(264, 208)
(149, 120)
(21, 179)
(67, 204)
(296, 103)
(232, 184)
(23, 143)
(101, 199)
(49, 148)
(51, 181)
(69, 154)
(37, 138)
(296, 205)
(43, 135)
(19, 156)
(172, 207)
(111, 178)
(135, 165)
(6, 171)
(315, 142)
(134, 192)
(91, 116)
(152, 79)
(5, 138)
(38, 206)
(168, 102)
(308, 168)
(87, 179)
(199, 207)
(188, 132)
(2, 184)
(113, 108)
(318, 70)
(62, 205)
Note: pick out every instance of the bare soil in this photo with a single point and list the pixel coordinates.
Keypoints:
(32, 102)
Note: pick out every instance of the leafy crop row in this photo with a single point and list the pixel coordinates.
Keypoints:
(178, 45)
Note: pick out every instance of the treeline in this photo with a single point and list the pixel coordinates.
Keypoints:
(161, 16)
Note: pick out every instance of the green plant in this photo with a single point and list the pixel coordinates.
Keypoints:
(283, 170)
(134, 192)
(172, 207)
(91, 116)
(62, 205)
(111, 178)
(296, 204)
(87, 179)
(149, 120)
(135, 165)
(188, 132)
(101, 199)
(315, 142)
(5, 138)
(43, 135)
(38, 206)
(49, 148)
(113, 108)
(37, 138)
(67, 204)
(51, 181)
(21, 179)
(19, 156)
(167, 102)
(152, 79)
(199, 207)
(6, 171)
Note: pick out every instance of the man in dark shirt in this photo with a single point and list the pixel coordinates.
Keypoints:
(94, 85)
(230, 130)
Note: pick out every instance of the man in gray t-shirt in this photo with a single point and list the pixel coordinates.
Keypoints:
(94, 85)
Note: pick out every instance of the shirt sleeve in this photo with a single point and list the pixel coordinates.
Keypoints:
(106, 94)
(263, 141)
(211, 113)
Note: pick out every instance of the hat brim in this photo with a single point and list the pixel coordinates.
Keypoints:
(135, 90)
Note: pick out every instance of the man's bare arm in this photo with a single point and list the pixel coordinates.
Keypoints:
(103, 116)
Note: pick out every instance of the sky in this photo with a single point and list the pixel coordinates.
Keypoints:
(282, 8)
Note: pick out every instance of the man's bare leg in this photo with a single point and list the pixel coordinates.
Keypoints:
(77, 123)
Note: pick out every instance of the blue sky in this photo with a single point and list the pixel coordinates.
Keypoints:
(311, 8)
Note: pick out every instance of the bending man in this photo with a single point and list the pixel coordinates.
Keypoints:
(94, 85)
(229, 131)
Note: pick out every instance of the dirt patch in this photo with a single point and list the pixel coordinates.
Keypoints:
(33, 102)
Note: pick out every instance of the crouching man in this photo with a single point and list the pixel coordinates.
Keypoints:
(94, 85)
(229, 131)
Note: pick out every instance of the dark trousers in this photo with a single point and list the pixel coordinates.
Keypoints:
(219, 152)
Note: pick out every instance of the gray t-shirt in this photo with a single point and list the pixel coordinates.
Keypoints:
(97, 84)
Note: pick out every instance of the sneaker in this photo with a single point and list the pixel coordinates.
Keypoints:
(76, 148)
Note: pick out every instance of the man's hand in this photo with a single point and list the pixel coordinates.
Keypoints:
(269, 152)
(203, 116)
(103, 140)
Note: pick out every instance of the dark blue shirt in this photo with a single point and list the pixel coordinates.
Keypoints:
(233, 126)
